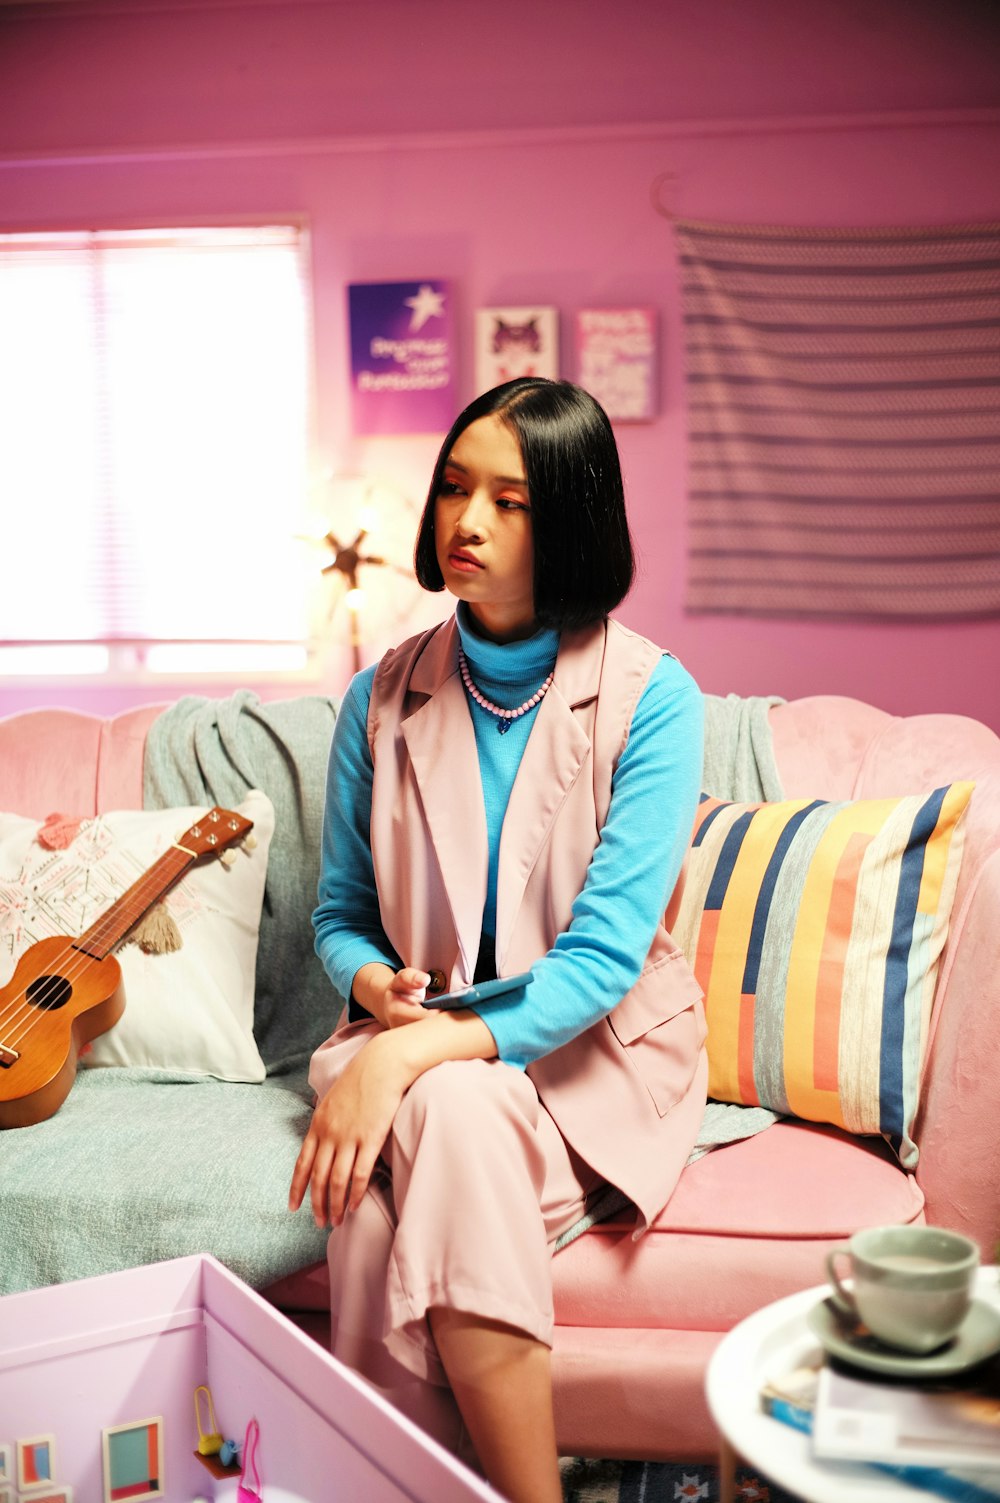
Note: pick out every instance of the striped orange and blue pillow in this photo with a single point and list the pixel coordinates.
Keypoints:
(816, 930)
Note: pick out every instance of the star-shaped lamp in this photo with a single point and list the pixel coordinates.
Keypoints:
(347, 557)
(367, 532)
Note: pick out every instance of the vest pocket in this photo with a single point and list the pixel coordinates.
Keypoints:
(660, 1024)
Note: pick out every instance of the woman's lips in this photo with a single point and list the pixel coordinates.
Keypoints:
(464, 563)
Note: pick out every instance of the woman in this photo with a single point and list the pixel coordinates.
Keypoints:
(510, 792)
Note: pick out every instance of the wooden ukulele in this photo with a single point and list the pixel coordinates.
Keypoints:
(64, 992)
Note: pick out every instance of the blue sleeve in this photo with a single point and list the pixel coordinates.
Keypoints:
(347, 922)
(593, 963)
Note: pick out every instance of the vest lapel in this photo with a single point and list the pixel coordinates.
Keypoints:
(557, 749)
(440, 738)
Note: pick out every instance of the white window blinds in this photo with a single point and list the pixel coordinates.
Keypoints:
(153, 436)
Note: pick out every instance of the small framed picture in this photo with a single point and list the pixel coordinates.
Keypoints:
(616, 360)
(36, 1463)
(133, 1461)
(6, 1466)
(46, 1495)
(514, 342)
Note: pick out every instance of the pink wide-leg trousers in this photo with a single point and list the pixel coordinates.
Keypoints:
(474, 1185)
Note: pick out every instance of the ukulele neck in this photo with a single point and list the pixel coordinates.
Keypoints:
(125, 912)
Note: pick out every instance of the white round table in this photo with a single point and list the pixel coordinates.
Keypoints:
(769, 1344)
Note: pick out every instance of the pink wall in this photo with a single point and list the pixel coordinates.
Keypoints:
(513, 149)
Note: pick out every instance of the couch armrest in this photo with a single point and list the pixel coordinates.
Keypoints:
(958, 1129)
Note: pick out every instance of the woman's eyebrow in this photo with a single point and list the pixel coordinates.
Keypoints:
(518, 480)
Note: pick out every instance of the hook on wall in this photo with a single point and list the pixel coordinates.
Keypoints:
(663, 194)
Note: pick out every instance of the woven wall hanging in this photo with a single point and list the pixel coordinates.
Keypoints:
(843, 392)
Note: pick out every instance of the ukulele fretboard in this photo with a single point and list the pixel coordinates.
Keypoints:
(112, 926)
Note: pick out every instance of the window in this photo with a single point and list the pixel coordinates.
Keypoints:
(153, 450)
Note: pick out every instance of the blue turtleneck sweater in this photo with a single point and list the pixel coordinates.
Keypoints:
(632, 873)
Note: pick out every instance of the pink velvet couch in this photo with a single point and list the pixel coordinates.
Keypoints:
(637, 1322)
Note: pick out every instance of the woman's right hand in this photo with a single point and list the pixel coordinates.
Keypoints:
(392, 997)
(348, 1128)
(403, 997)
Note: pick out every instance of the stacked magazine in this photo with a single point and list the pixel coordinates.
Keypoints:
(943, 1437)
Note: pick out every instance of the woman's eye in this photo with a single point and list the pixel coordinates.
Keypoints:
(450, 488)
(507, 503)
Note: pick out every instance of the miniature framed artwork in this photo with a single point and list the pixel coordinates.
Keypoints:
(133, 1461)
(36, 1463)
(6, 1467)
(616, 360)
(513, 342)
(47, 1495)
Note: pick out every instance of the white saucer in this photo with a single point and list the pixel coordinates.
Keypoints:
(977, 1338)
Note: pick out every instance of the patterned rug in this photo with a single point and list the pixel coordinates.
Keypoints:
(659, 1482)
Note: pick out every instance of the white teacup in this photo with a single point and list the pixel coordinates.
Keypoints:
(912, 1285)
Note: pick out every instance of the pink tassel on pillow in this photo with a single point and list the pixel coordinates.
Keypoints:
(59, 831)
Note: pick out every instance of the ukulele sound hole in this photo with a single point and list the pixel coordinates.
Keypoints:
(49, 992)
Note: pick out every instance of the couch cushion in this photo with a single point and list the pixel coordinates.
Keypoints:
(747, 1223)
(132, 1171)
(795, 1180)
(815, 929)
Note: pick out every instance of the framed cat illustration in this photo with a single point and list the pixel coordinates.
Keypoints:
(513, 342)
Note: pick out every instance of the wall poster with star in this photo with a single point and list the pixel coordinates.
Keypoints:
(402, 357)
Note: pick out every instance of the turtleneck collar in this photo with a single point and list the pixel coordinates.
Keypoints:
(527, 661)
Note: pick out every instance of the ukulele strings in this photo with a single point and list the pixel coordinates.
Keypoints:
(33, 1009)
(22, 1007)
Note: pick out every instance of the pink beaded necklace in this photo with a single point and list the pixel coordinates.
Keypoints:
(504, 716)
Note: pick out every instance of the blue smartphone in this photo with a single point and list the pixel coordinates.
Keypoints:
(482, 991)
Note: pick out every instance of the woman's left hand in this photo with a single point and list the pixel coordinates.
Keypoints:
(348, 1129)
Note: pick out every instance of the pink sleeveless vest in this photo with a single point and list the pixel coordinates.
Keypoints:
(611, 1091)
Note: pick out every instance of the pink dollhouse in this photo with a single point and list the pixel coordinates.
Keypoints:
(97, 1400)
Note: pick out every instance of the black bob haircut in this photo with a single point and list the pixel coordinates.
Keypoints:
(584, 563)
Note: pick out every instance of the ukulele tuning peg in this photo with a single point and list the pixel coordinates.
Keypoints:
(250, 842)
(227, 857)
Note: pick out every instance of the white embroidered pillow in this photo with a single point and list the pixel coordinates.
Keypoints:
(187, 1012)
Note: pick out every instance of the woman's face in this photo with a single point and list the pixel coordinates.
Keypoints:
(483, 530)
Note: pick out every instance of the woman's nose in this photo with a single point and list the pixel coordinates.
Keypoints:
(471, 518)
